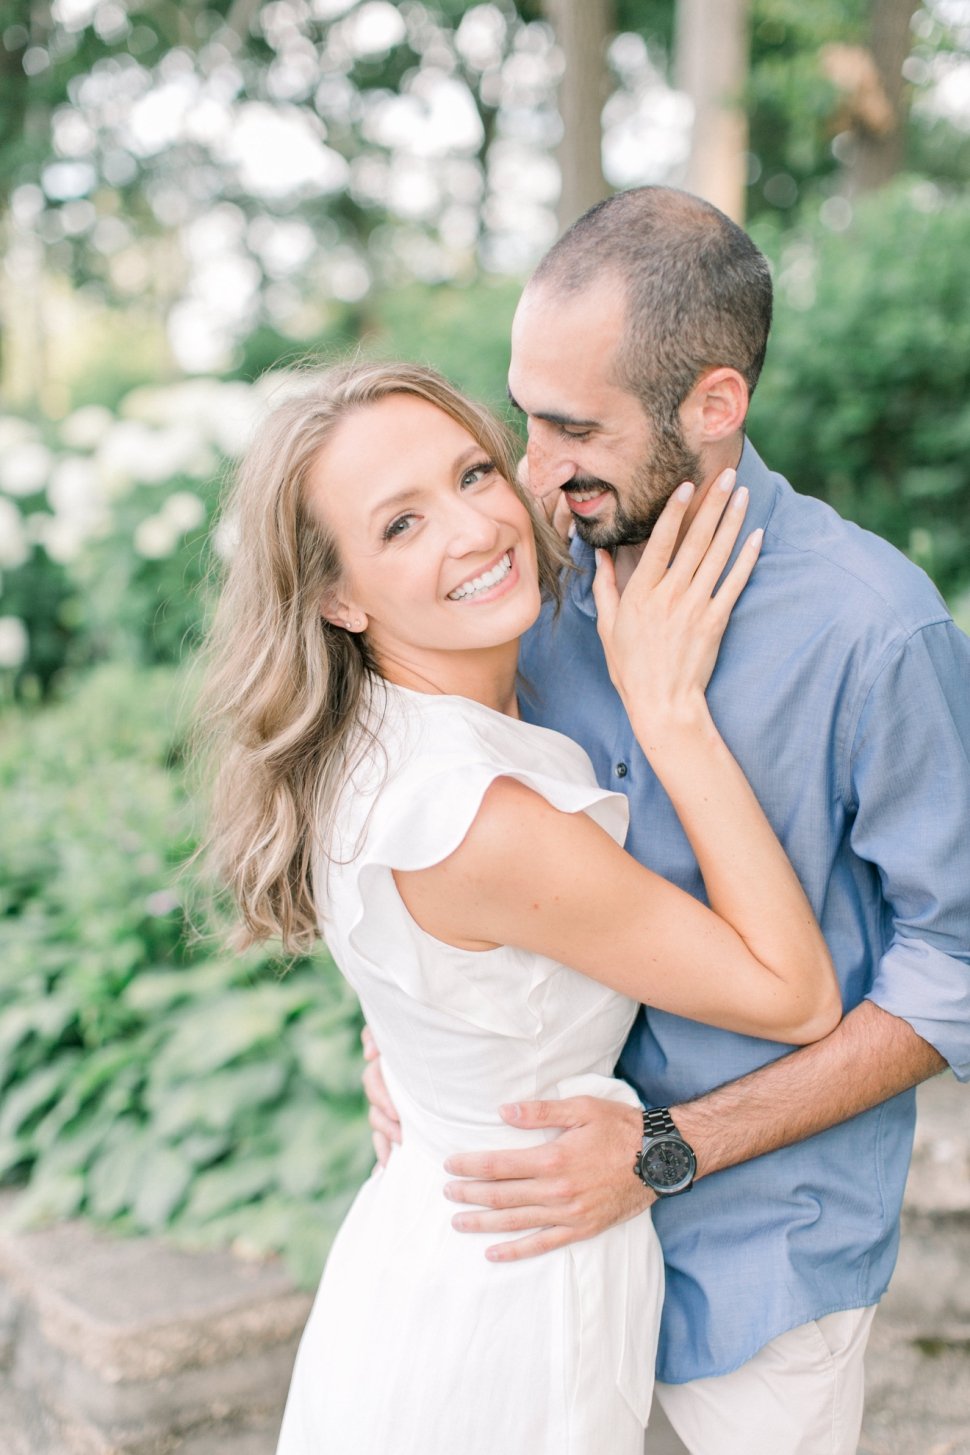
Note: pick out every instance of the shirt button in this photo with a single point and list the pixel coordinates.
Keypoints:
(621, 770)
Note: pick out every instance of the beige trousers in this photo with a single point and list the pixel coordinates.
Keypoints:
(800, 1395)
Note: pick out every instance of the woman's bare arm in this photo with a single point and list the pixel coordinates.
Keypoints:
(557, 884)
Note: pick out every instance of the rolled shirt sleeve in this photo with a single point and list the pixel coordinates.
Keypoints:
(909, 783)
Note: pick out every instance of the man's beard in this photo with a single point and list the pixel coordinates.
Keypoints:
(670, 464)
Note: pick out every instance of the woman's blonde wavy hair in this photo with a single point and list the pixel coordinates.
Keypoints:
(286, 693)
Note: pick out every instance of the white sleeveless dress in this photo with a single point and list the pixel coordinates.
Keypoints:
(417, 1344)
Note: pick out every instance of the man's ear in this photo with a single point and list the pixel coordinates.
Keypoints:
(716, 407)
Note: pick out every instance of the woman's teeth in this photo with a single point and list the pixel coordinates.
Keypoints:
(485, 582)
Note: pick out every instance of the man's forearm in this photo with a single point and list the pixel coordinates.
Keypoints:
(868, 1058)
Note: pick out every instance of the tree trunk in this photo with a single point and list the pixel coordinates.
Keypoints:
(583, 29)
(711, 66)
(879, 153)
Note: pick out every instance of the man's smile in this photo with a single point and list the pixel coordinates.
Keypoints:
(585, 498)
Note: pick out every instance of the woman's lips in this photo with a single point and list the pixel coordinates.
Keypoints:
(505, 582)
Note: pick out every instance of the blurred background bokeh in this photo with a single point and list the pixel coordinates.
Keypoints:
(195, 195)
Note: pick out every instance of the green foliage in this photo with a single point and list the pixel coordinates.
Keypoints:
(791, 106)
(147, 1077)
(463, 332)
(131, 584)
(865, 398)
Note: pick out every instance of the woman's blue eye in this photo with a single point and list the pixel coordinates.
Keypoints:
(397, 527)
(484, 467)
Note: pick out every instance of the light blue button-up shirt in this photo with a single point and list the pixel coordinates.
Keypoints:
(843, 688)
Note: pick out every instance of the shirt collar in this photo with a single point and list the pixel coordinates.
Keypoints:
(763, 491)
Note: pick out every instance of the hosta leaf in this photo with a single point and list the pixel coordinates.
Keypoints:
(49, 1198)
(213, 1035)
(219, 1189)
(113, 1176)
(215, 1102)
(163, 1178)
(24, 1101)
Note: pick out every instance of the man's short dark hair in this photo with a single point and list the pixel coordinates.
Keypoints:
(698, 291)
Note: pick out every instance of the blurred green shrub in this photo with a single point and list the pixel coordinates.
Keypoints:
(105, 516)
(104, 522)
(146, 1077)
(865, 398)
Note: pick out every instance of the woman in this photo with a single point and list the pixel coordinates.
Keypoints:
(377, 786)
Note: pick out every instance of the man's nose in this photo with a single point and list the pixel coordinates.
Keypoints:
(548, 467)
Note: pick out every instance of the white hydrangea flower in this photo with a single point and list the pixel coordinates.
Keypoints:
(232, 423)
(86, 427)
(24, 468)
(61, 537)
(75, 489)
(155, 538)
(14, 431)
(184, 511)
(225, 537)
(14, 641)
(131, 451)
(14, 546)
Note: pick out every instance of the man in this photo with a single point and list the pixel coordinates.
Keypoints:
(843, 688)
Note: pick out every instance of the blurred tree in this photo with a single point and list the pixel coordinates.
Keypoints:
(236, 164)
(711, 67)
(880, 148)
(295, 152)
(583, 29)
(802, 133)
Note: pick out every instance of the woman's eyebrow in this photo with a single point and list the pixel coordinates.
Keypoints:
(391, 502)
(410, 492)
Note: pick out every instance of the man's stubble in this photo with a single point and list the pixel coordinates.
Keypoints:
(671, 463)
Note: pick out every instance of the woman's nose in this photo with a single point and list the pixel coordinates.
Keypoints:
(472, 529)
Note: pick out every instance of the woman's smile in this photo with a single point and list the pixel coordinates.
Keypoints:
(494, 581)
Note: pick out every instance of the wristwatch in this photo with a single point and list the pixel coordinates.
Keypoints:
(666, 1163)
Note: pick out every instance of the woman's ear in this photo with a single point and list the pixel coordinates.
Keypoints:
(342, 613)
(715, 408)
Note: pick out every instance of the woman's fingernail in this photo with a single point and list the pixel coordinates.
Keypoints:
(726, 480)
(740, 498)
(685, 491)
(755, 538)
(512, 1112)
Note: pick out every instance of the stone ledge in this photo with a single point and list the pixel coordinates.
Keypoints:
(136, 1309)
(126, 1345)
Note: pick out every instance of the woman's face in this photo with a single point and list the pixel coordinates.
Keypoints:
(437, 549)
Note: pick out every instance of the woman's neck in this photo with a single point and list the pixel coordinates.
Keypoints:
(487, 676)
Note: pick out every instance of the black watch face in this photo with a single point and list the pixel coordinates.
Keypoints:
(667, 1163)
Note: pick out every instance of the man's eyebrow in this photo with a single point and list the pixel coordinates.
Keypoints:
(568, 421)
(564, 421)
